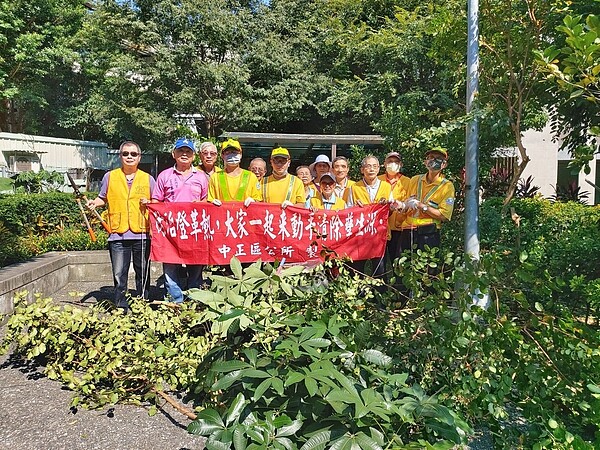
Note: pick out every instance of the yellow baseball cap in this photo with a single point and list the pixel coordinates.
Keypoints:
(280, 151)
(438, 149)
(231, 143)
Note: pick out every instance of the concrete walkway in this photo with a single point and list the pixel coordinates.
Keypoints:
(35, 413)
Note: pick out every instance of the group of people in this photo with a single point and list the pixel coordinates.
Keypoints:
(418, 205)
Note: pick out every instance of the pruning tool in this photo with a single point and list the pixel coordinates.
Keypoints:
(78, 198)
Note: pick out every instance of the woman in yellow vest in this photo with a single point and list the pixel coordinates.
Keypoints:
(126, 191)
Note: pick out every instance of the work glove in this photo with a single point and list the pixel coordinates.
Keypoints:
(217, 202)
(412, 204)
(248, 201)
(286, 203)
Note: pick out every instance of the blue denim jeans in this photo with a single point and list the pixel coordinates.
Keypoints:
(175, 282)
(122, 253)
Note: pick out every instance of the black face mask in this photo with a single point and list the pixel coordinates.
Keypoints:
(435, 164)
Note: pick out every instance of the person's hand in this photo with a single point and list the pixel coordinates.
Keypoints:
(90, 204)
(397, 205)
(217, 202)
(383, 201)
(359, 203)
(313, 209)
(248, 201)
(144, 201)
(412, 204)
(286, 203)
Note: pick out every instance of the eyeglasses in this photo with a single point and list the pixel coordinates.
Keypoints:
(209, 153)
(327, 183)
(133, 154)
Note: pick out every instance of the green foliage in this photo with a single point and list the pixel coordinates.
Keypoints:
(107, 357)
(37, 182)
(37, 223)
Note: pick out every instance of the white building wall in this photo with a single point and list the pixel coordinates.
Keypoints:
(543, 164)
(53, 153)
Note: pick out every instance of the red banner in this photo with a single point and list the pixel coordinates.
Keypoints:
(202, 233)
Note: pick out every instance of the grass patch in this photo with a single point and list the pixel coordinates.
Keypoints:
(6, 184)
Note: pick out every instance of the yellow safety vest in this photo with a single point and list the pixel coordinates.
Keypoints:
(124, 211)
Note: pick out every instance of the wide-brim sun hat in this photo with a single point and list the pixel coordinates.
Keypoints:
(320, 159)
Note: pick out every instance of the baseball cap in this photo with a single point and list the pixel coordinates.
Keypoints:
(393, 154)
(185, 142)
(438, 149)
(280, 151)
(327, 175)
(231, 143)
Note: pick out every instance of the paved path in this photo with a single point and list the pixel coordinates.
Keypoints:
(35, 414)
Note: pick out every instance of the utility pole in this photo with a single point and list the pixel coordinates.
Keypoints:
(472, 145)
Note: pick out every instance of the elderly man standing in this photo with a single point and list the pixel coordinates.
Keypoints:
(126, 191)
(208, 158)
(281, 187)
(233, 183)
(430, 203)
(340, 170)
(365, 192)
(258, 167)
(181, 183)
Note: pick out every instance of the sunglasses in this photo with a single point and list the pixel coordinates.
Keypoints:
(134, 154)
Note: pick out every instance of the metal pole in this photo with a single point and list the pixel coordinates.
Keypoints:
(472, 144)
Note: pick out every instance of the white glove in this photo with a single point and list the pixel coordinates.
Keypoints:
(412, 204)
(248, 201)
(398, 205)
(217, 202)
(286, 203)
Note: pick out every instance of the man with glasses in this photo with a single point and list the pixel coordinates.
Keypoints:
(367, 191)
(181, 183)
(326, 198)
(281, 187)
(126, 191)
(258, 167)
(208, 158)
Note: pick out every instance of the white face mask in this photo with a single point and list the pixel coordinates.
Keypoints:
(233, 159)
(392, 168)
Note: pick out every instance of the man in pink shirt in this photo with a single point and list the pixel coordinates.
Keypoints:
(181, 183)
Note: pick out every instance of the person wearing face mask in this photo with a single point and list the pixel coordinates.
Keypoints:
(282, 187)
(233, 183)
(399, 186)
(208, 158)
(430, 203)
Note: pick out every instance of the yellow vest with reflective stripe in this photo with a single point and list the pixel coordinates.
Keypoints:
(124, 211)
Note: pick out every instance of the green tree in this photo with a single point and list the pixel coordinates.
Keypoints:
(35, 60)
(573, 71)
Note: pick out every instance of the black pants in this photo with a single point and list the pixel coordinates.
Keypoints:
(418, 238)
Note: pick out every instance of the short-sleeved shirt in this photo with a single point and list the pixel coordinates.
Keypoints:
(366, 194)
(174, 186)
(399, 192)
(439, 195)
(103, 194)
(232, 185)
(341, 190)
(277, 191)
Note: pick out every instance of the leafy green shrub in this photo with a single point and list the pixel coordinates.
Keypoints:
(72, 239)
(40, 213)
